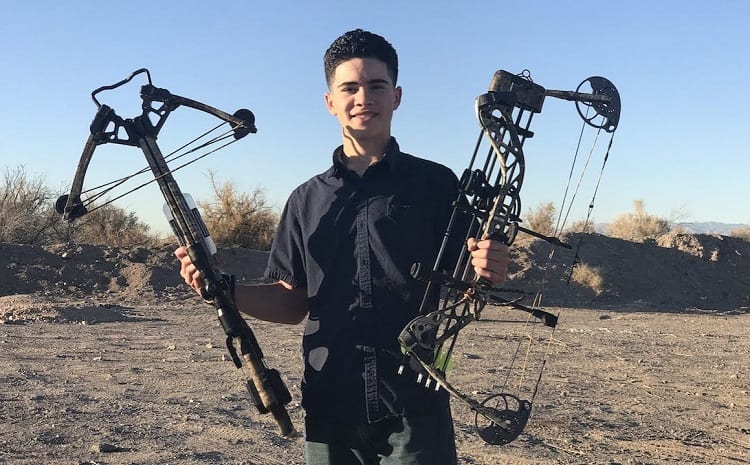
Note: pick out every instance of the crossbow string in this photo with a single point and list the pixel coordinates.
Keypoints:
(268, 391)
(489, 196)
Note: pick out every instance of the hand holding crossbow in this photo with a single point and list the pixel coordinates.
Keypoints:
(265, 385)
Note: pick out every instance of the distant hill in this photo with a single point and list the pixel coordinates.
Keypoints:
(710, 227)
(705, 227)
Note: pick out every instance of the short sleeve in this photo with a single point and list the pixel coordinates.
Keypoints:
(286, 261)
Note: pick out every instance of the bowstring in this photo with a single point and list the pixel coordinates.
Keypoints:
(560, 225)
(570, 176)
(578, 185)
(590, 208)
(598, 182)
(171, 157)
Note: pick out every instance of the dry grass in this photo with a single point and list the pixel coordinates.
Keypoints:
(588, 276)
(638, 226)
(742, 233)
(239, 219)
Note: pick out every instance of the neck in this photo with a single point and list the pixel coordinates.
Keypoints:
(359, 154)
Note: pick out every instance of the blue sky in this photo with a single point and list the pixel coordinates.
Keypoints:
(681, 67)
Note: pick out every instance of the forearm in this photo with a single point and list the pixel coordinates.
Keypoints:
(272, 302)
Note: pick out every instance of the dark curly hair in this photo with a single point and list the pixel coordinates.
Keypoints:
(360, 44)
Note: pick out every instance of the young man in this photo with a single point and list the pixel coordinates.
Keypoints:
(341, 257)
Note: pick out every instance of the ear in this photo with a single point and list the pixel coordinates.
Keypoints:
(396, 97)
(329, 103)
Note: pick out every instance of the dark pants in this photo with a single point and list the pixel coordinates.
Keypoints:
(413, 440)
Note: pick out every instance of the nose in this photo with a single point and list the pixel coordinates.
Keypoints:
(363, 97)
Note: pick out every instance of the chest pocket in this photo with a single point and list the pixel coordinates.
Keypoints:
(405, 219)
(407, 231)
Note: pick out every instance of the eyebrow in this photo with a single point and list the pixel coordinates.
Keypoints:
(372, 81)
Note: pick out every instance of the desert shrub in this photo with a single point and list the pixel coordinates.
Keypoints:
(638, 225)
(541, 219)
(28, 216)
(588, 276)
(742, 233)
(580, 226)
(239, 219)
(26, 212)
(109, 225)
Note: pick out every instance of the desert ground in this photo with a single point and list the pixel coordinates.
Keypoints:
(106, 358)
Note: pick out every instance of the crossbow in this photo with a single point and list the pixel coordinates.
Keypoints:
(489, 195)
(267, 389)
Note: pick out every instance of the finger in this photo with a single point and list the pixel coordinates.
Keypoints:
(488, 274)
(495, 278)
(180, 252)
(487, 264)
(191, 274)
(491, 244)
(471, 244)
(495, 271)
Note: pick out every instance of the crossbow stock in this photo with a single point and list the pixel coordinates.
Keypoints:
(265, 385)
(489, 194)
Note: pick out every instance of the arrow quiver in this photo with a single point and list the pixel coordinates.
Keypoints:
(268, 391)
(489, 195)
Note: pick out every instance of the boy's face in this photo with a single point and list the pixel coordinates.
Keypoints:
(362, 97)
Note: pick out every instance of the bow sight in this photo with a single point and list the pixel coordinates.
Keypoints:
(489, 195)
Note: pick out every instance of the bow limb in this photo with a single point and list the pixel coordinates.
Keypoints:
(108, 127)
(505, 423)
(70, 205)
(242, 121)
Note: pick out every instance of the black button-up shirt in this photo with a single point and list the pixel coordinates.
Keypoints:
(351, 241)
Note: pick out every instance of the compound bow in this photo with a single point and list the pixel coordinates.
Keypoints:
(265, 385)
(490, 196)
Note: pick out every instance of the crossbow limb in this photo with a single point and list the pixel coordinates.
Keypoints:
(266, 387)
(108, 127)
(489, 195)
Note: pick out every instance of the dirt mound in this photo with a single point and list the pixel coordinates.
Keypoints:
(83, 270)
(679, 271)
(22, 308)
